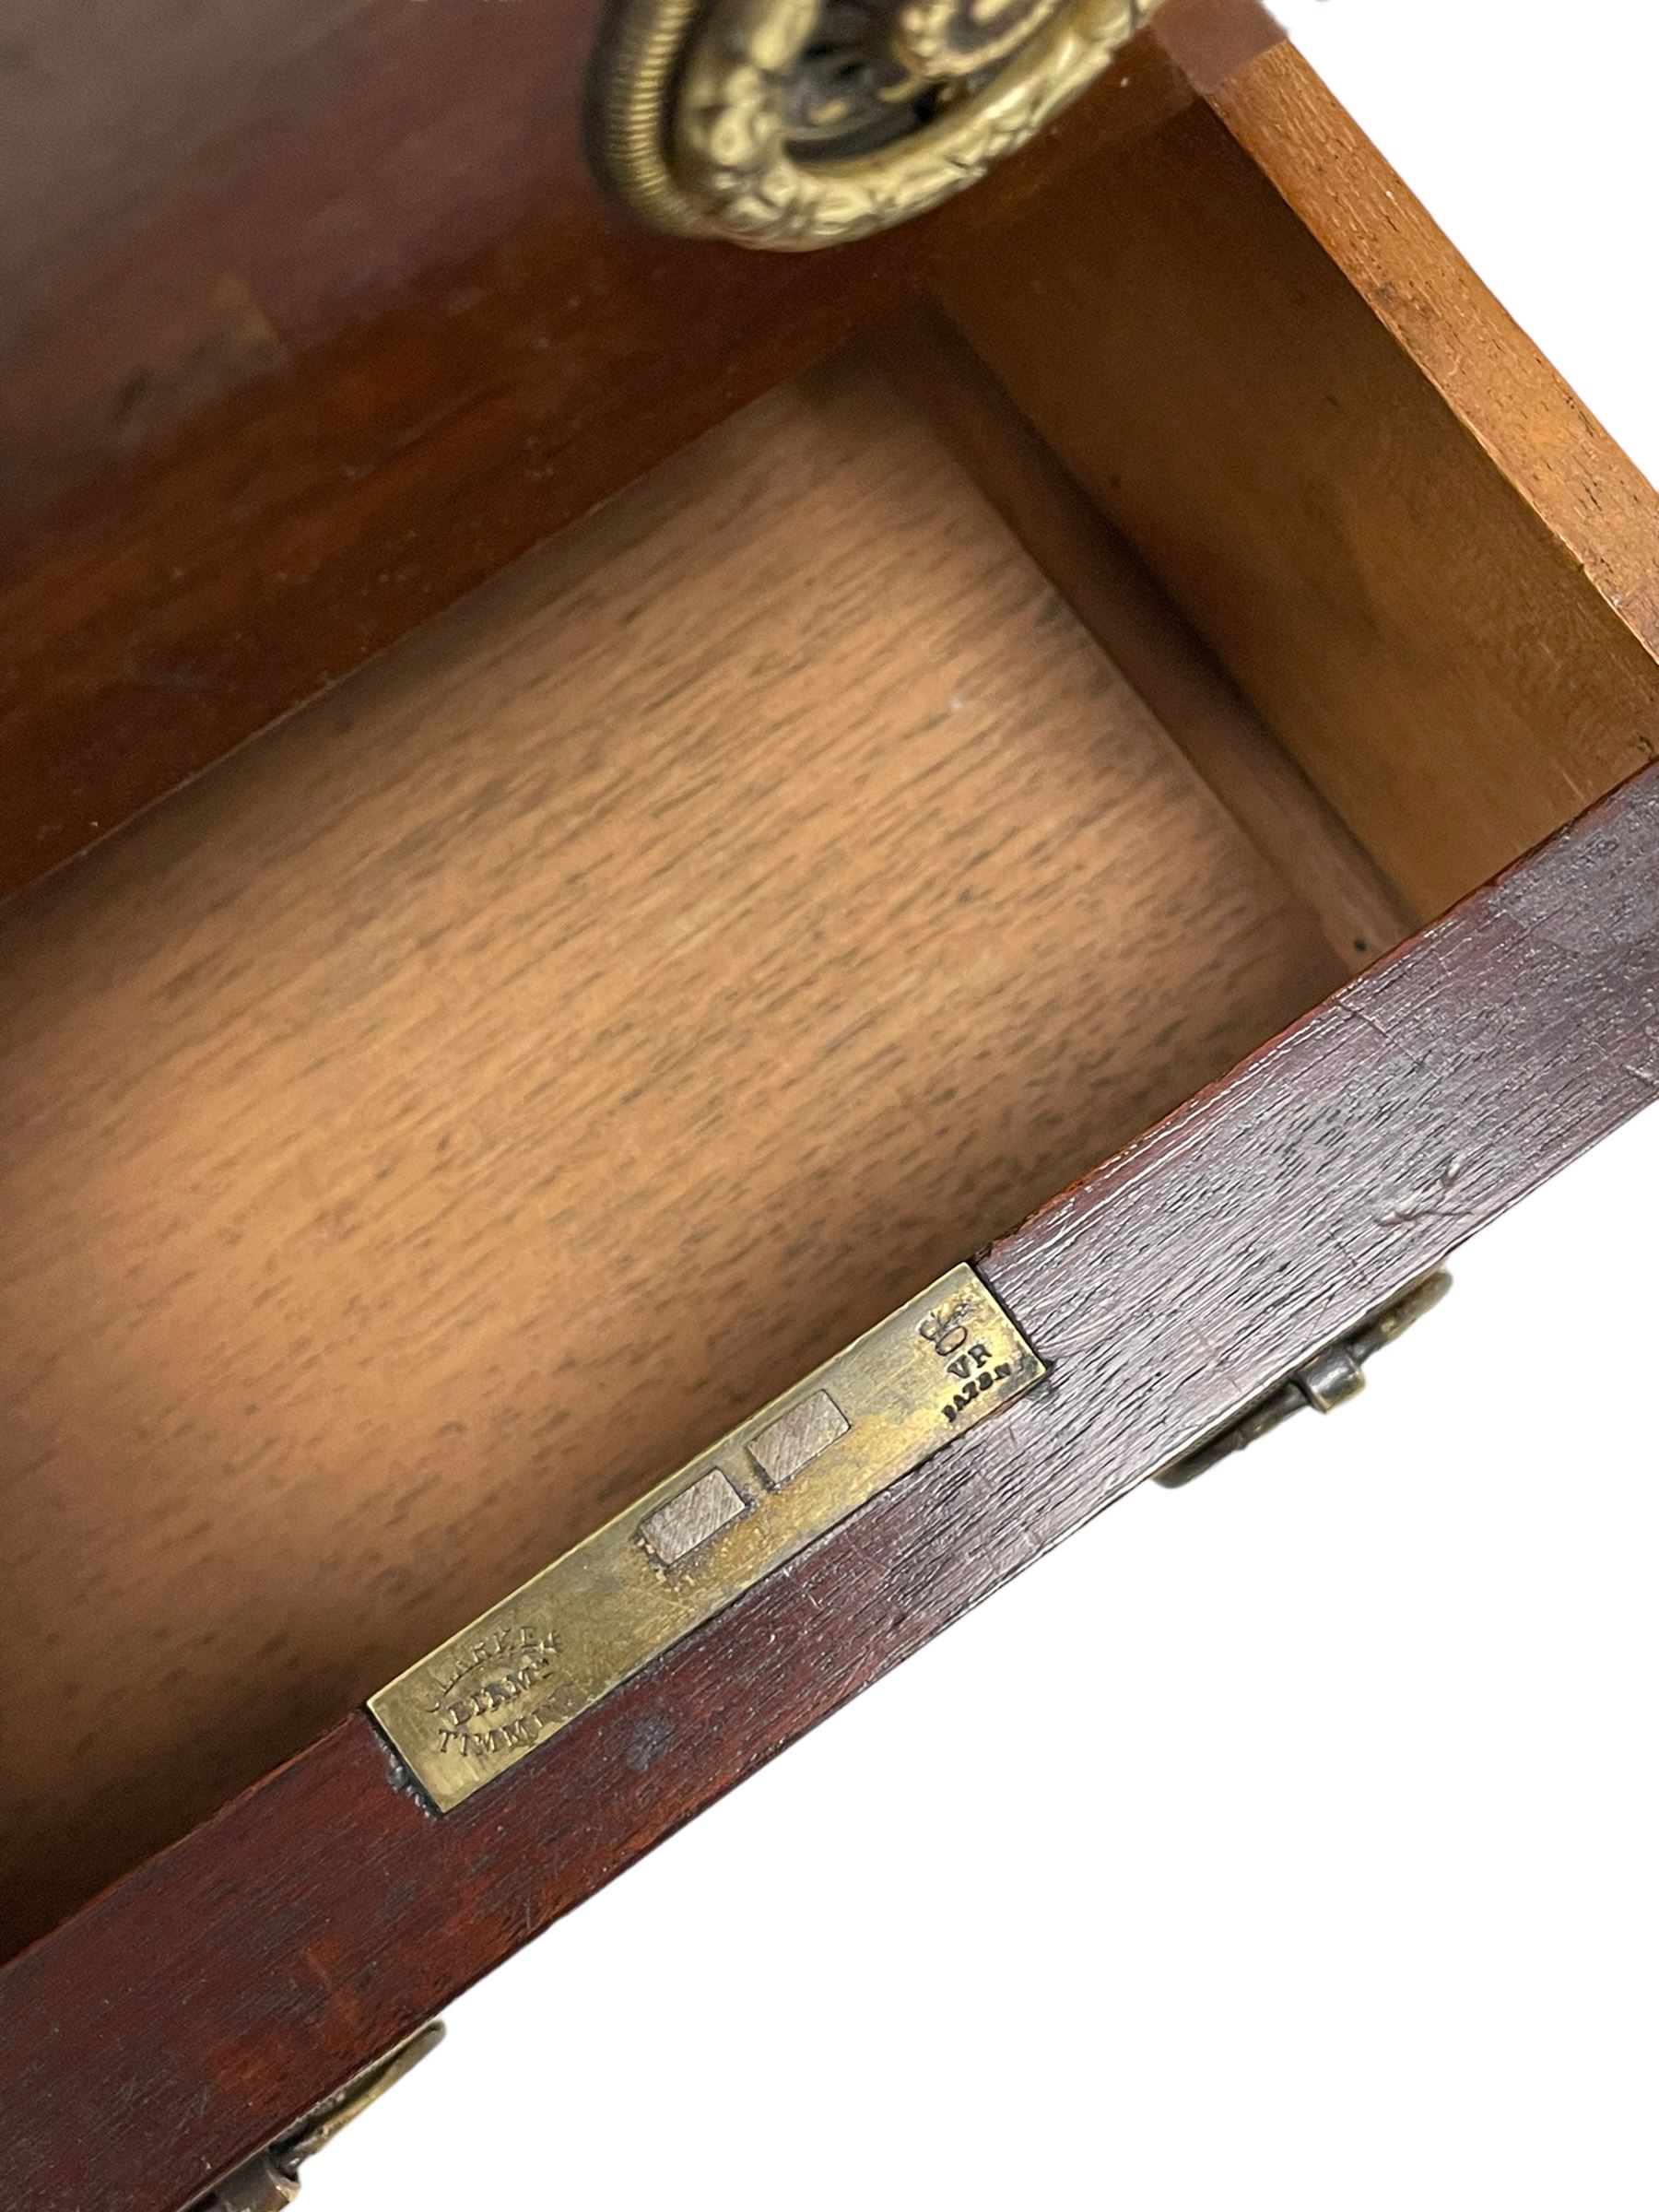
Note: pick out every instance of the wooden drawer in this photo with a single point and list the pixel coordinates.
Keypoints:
(987, 754)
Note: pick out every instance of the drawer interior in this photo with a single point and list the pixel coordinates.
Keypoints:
(1411, 547)
(430, 1127)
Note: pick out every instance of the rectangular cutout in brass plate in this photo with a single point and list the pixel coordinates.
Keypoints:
(583, 1626)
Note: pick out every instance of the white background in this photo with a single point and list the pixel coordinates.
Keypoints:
(1288, 1841)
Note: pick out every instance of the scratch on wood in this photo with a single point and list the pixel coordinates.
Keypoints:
(1428, 1201)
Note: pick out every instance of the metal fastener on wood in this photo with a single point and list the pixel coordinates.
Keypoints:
(1324, 1382)
(271, 2179)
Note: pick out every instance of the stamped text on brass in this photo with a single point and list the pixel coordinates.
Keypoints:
(583, 1626)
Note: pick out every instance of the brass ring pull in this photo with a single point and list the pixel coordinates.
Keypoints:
(794, 124)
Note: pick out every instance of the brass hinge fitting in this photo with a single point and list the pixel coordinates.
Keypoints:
(1325, 1383)
(271, 2179)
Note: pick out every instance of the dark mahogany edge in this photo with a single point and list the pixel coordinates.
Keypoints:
(100, 722)
(1208, 44)
(191, 2011)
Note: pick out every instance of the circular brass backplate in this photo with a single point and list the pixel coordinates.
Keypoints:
(790, 124)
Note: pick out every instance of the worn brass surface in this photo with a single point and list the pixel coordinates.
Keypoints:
(1330, 1380)
(583, 1626)
(271, 2179)
(796, 123)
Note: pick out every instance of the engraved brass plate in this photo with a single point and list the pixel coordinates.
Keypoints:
(583, 1626)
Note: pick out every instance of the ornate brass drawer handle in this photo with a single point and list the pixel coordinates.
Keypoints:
(795, 124)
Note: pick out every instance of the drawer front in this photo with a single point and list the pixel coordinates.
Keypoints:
(330, 1911)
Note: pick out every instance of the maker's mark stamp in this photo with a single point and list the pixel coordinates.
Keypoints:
(484, 1693)
(741, 1510)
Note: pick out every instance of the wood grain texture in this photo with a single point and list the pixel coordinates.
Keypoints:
(1540, 434)
(425, 1133)
(1423, 563)
(181, 2019)
(316, 317)
(1102, 580)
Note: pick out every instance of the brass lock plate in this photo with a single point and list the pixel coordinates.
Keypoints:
(583, 1627)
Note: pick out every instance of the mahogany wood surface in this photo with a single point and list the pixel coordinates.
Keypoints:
(316, 315)
(1424, 563)
(426, 1131)
(180, 2020)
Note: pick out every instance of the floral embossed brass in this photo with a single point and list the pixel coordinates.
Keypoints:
(794, 124)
